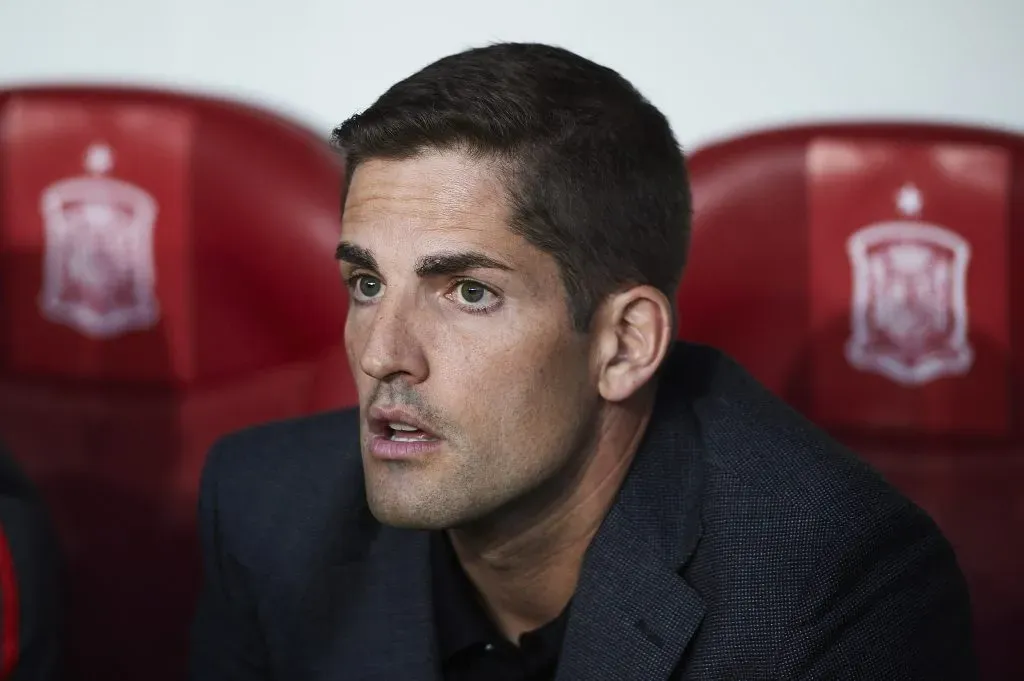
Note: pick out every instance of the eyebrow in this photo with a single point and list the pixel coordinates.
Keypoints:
(357, 256)
(453, 262)
(434, 265)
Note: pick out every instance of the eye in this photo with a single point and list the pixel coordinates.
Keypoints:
(365, 288)
(475, 297)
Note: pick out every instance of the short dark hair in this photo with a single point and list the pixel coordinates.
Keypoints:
(594, 175)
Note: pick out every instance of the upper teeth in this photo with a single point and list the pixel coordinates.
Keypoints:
(402, 426)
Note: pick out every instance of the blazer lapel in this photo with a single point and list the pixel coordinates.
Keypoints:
(370, 618)
(633, 615)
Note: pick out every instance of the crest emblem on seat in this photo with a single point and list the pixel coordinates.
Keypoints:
(909, 314)
(98, 270)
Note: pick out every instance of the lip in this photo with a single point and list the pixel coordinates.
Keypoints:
(381, 445)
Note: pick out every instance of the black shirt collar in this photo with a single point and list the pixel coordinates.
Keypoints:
(460, 620)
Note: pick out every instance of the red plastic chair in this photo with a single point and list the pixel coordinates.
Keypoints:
(869, 275)
(167, 275)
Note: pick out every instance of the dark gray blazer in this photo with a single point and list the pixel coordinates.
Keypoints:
(745, 544)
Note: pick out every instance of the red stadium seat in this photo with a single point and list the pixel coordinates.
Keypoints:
(869, 275)
(167, 275)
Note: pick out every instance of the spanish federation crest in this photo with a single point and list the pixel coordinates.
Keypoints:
(98, 274)
(909, 313)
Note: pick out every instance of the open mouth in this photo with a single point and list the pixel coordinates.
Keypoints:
(403, 432)
(400, 435)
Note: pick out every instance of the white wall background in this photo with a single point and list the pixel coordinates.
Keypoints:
(716, 67)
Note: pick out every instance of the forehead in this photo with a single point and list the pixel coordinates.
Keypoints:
(433, 195)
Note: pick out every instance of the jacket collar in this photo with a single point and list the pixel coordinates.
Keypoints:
(633, 615)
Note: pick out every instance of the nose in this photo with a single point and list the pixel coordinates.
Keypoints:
(392, 348)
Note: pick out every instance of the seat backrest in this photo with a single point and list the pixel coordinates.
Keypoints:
(869, 275)
(167, 277)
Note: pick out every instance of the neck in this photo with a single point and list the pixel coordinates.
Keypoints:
(525, 562)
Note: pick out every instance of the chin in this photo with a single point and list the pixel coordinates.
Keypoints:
(406, 514)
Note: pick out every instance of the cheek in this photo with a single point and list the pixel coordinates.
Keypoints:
(351, 333)
(520, 397)
(354, 343)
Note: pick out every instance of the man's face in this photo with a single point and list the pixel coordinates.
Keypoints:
(473, 387)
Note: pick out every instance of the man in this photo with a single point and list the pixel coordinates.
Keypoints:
(30, 593)
(538, 483)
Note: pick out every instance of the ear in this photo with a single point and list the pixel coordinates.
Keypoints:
(633, 334)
